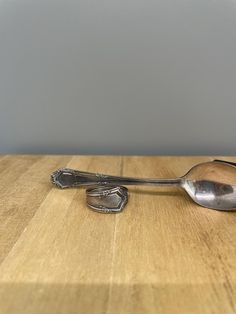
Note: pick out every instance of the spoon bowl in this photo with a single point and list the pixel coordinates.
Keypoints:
(212, 184)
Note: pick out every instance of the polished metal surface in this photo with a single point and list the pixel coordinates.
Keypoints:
(107, 199)
(210, 184)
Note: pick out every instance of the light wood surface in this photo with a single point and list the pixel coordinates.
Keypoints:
(162, 254)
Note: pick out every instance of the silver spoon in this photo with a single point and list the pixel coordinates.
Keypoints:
(210, 184)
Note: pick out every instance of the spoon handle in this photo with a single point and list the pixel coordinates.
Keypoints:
(66, 178)
(226, 162)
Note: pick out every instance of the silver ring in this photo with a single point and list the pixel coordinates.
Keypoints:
(107, 199)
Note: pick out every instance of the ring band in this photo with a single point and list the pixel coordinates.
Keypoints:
(106, 199)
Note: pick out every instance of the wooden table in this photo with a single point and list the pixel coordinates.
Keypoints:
(163, 254)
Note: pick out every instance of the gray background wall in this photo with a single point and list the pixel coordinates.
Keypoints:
(118, 76)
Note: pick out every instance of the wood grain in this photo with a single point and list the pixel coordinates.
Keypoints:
(162, 254)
